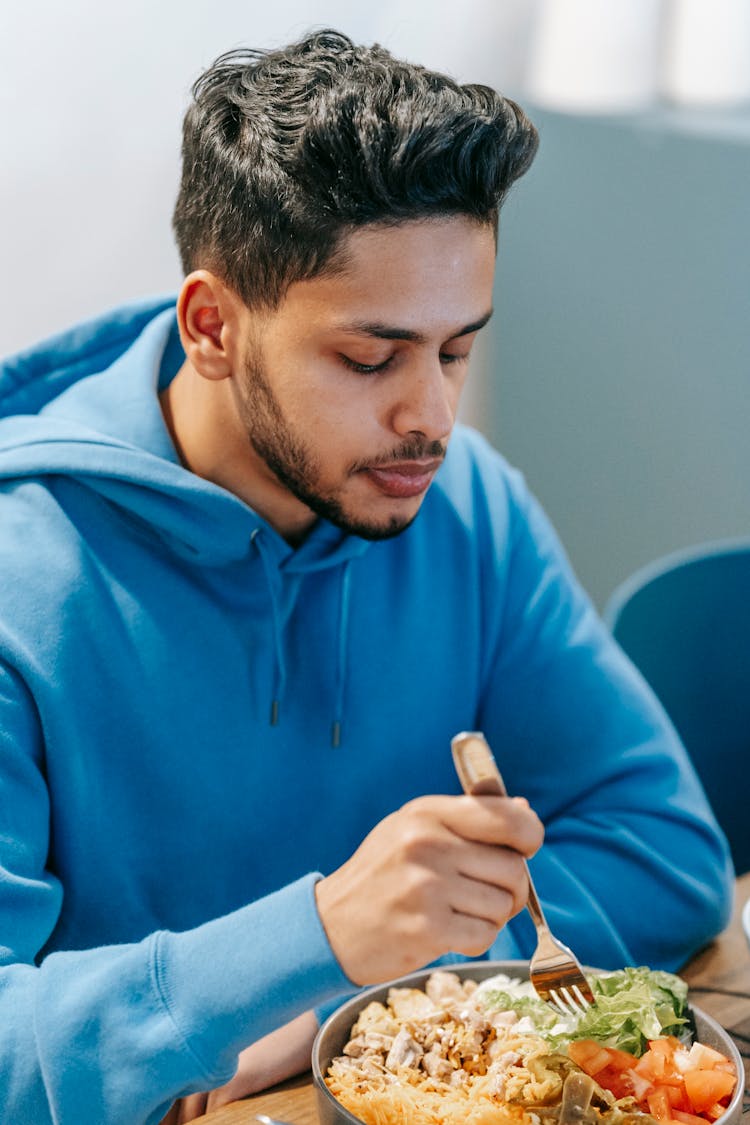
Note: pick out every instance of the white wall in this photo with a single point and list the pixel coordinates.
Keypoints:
(91, 99)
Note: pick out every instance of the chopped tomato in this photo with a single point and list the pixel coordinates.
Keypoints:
(589, 1055)
(677, 1096)
(641, 1086)
(727, 1066)
(658, 1064)
(621, 1060)
(687, 1118)
(672, 1083)
(705, 1088)
(665, 1046)
(704, 1057)
(658, 1104)
(651, 1066)
(619, 1083)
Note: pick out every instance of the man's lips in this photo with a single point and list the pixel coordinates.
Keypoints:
(403, 479)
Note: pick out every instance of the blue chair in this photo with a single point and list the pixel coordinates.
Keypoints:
(685, 623)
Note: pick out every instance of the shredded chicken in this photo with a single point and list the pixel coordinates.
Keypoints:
(405, 1051)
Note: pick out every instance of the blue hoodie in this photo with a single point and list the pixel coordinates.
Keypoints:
(197, 719)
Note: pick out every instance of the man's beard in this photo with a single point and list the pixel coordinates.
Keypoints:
(298, 468)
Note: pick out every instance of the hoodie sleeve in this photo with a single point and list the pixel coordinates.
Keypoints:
(634, 869)
(112, 1035)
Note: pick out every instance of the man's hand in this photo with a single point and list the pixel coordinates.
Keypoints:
(441, 874)
(282, 1054)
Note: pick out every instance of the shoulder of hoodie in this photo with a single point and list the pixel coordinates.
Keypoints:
(32, 526)
(46, 369)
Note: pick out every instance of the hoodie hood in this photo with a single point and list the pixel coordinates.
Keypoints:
(84, 404)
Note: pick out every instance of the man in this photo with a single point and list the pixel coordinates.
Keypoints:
(254, 580)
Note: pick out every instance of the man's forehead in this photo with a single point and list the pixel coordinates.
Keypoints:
(400, 281)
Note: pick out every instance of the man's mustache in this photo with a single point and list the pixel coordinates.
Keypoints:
(414, 450)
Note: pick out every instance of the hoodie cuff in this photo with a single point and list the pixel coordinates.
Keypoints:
(236, 978)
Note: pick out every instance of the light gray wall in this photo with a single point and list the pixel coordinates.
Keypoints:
(621, 344)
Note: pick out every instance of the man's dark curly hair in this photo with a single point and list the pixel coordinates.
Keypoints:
(285, 152)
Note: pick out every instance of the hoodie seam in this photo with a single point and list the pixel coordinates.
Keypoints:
(162, 991)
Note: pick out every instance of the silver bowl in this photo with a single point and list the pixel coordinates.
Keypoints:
(334, 1033)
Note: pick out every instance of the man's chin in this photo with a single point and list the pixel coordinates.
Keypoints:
(386, 528)
(363, 525)
(376, 532)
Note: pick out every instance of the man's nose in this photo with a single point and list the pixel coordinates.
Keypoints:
(426, 402)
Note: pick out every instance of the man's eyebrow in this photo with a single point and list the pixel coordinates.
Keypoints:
(391, 332)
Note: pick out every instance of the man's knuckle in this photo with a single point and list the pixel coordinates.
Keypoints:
(423, 843)
(478, 940)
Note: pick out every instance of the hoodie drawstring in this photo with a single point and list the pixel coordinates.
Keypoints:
(280, 672)
(343, 636)
(279, 675)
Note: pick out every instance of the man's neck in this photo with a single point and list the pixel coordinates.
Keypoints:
(211, 442)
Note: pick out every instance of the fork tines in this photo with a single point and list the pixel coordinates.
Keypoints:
(569, 1001)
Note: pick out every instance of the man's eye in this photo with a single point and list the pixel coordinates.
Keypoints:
(448, 357)
(364, 368)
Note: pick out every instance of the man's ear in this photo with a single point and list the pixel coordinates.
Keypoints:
(207, 314)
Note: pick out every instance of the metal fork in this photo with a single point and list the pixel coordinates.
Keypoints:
(554, 969)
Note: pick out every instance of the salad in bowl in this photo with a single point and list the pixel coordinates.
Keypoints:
(474, 1044)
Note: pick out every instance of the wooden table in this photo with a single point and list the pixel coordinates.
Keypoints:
(716, 976)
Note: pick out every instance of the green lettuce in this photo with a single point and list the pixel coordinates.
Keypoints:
(630, 1007)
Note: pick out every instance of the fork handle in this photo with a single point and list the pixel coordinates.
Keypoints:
(479, 776)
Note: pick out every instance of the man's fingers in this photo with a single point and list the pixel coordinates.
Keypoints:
(441, 873)
(473, 936)
(496, 867)
(486, 820)
(493, 899)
